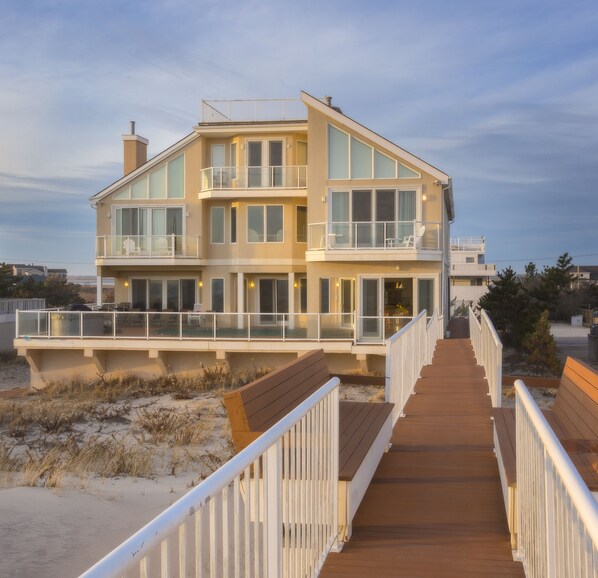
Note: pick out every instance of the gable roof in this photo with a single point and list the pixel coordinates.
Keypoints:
(374, 137)
(144, 167)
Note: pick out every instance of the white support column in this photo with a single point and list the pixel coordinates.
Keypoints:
(240, 299)
(291, 299)
(99, 291)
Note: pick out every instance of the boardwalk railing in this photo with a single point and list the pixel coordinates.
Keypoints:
(487, 347)
(557, 514)
(270, 511)
(407, 351)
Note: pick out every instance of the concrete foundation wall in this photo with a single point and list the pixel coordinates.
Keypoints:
(7, 335)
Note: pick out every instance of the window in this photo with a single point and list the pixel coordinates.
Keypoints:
(425, 295)
(165, 182)
(217, 225)
(301, 224)
(148, 221)
(384, 167)
(324, 295)
(233, 160)
(233, 224)
(160, 294)
(338, 154)
(361, 160)
(303, 294)
(218, 295)
(265, 224)
(469, 260)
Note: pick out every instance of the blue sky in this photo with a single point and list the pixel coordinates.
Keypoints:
(501, 96)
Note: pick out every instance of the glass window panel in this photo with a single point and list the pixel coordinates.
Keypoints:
(122, 194)
(362, 206)
(139, 294)
(158, 222)
(405, 173)
(338, 154)
(155, 295)
(139, 189)
(233, 224)
(218, 295)
(174, 221)
(324, 295)
(254, 162)
(339, 212)
(282, 296)
(158, 183)
(301, 152)
(407, 209)
(274, 224)
(233, 160)
(303, 294)
(176, 178)
(301, 224)
(172, 294)
(217, 222)
(385, 205)
(218, 155)
(275, 152)
(361, 160)
(384, 167)
(187, 294)
(425, 296)
(255, 224)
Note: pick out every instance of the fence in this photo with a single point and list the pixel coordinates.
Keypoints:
(10, 306)
(269, 512)
(407, 351)
(557, 514)
(488, 352)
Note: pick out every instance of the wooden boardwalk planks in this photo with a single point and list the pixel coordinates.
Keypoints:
(435, 507)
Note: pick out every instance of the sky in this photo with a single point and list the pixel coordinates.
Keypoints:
(502, 96)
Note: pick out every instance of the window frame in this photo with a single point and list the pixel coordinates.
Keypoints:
(297, 240)
(212, 212)
(265, 224)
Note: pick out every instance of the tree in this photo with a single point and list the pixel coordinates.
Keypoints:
(7, 280)
(542, 353)
(55, 289)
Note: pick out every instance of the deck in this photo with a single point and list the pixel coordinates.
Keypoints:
(435, 506)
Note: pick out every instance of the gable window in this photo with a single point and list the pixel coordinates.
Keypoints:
(217, 225)
(164, 182)
(265, 224)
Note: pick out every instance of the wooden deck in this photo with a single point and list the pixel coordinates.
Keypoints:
(435, 507)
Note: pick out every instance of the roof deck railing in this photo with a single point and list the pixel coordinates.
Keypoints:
(265, 110)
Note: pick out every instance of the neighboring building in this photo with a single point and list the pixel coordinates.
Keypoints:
(285, 218)
(39, 271)
(470, 274)
(584, 275)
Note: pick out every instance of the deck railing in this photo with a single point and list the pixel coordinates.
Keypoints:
(389, 235)
(270, 511)
(487, 347)
(10, 306)
(407, 351)
(243, 178)
(148, 246)
(315, 327)
(264, 110)
(557, 514)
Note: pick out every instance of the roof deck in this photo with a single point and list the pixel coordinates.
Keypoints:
(243, 111)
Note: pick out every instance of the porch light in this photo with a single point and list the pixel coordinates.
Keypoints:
(424, 197)
(251, 284)
(200, 284)
(126, 283)
(295, 284)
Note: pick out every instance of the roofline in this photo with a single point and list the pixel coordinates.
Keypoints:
(310, 100)
(145, 166)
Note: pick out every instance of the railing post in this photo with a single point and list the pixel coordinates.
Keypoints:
(273, 510)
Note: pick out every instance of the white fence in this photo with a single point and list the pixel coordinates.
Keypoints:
(269, 512)
(488, 352)
(407, 351)
(10, 306)
(557, 514)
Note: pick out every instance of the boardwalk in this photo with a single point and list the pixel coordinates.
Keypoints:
(434, 507)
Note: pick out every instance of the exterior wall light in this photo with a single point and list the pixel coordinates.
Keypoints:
(126, 283)
(200, 283)
(251, 284)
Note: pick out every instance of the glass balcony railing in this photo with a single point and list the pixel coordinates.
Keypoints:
(239, 178)
(383, 235)
(148, 246)
(264, 110)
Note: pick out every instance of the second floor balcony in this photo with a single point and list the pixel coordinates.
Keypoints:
(222, 181)
(144, 247)
(380, 236)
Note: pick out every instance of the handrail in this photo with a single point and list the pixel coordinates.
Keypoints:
(244, 470)
(557, 514)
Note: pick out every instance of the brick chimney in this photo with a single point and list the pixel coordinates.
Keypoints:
(135, 150)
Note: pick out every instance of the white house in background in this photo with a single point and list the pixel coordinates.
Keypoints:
(470, 274)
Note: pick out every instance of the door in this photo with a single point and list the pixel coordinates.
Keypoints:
(264, 162)
(370, 310)
(254, 163)
(275, 161)
(362, 218)
(274, 300)
(218, 163)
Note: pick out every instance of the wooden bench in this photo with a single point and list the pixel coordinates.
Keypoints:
(574, 420)
(364, 428)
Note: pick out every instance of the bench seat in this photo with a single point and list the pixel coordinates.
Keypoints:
(574, 420)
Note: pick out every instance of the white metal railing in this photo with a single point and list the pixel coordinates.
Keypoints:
(389, 235)
(148, 246)
(271, 511)
(487, 348)
(407, 351)
(237, 178)
(468, 244)
(10, 306)
(192, 325)
(253, 110)
(557, 514)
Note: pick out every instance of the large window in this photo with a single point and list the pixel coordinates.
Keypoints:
(350, 158)
(163, 294)
(301, 224)
(150, 221)
(217, 225)
(265, 224)
(164, 182)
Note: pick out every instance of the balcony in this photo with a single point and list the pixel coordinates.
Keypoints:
(266, 110)
(473, 270)
(226, 182)
(374, 239)
(477, 244)
(143, 247)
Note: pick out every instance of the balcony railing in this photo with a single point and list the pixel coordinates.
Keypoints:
(238, 178)
(383, 235)
(147, 246)
(10, 306)
(315, 327)
(267, 110)
(468, 244)
(473, 269)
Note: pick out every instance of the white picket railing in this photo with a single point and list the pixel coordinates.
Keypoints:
(557, 514)
(270, 511)
(407, 351)
(487, 348)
